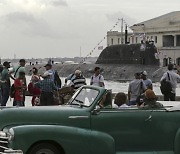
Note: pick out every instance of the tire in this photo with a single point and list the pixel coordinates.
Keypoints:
(44, 148)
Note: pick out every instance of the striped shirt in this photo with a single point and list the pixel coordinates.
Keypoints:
(78, 81)
(46, 85)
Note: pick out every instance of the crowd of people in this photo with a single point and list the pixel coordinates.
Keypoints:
(140, 90)
(40, 86)
(141, 94)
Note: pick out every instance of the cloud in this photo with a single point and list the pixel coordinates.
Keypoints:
(33, 4)
(27, 24)
(58, 2)
(119, 15)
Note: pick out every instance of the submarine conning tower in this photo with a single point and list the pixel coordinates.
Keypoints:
(145, 54)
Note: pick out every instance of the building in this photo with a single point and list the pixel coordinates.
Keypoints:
(163, 30)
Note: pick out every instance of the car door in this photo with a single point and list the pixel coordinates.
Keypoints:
(128, 127)
(163, 128)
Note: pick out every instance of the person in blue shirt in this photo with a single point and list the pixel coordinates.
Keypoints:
(47, 87)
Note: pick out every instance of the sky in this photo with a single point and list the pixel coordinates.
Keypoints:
(68, 28)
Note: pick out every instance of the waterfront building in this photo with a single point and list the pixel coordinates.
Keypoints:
(163, 30)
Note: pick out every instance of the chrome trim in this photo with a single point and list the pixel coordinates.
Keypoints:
(4, 142)
(2, 147)
(78, 117)
(11, 151)
(4, 138)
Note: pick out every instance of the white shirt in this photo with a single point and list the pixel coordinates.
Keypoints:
(95, 80)
(173, 79)
(120, 107)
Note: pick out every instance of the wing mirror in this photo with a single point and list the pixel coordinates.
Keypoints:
(96, 110)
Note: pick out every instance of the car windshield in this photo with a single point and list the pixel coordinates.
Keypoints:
(84, 97)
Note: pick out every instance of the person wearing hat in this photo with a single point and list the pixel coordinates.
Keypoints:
(135, 89)
(146, 81)
(150, 100)
(54, 75)
(47, 87)
(7, 84)
(48, 68)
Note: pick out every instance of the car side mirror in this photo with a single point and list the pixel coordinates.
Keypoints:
(96, 110)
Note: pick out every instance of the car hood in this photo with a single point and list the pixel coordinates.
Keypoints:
(49, 115)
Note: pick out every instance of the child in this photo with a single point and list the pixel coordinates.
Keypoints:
(19, 88)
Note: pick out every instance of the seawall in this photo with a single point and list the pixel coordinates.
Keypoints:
(113, 72)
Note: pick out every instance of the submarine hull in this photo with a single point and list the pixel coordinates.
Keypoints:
(129, 54)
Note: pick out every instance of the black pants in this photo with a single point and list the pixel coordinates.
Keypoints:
(46, 98)
(169, 97)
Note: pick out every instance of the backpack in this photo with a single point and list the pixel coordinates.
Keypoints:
(57, 79)
(12, 91)
(30, 88)
(166, 86)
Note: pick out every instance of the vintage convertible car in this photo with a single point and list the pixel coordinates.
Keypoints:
(82, 127)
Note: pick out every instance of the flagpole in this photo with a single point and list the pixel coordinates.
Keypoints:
(80, 51)
(122, 31)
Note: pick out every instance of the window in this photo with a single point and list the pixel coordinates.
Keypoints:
(85, 97)
(118, 40)
(112, 41)
(132, 40)
(136, 39)
(155, 39)
(129, 40)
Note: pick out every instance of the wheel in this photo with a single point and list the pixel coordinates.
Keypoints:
(44, 148)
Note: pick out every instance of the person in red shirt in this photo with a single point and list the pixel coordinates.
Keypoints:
(19, 88)
(33, 90)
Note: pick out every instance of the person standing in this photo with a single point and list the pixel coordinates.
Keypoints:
(172, 77)
(135, 89)
(19, 88)
(146, 81)
(21, 68)
(7, 84)
(33, 90)
(97, 79)
(1, 69)
(48, 68)
(54, 75)
(47, 87)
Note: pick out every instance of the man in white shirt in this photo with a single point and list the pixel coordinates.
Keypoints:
(171, 76)
(97, 79)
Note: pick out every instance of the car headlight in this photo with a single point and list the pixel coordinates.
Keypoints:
(2, 134)
(10, 134)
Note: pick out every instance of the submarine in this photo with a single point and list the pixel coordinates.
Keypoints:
(141, 53)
